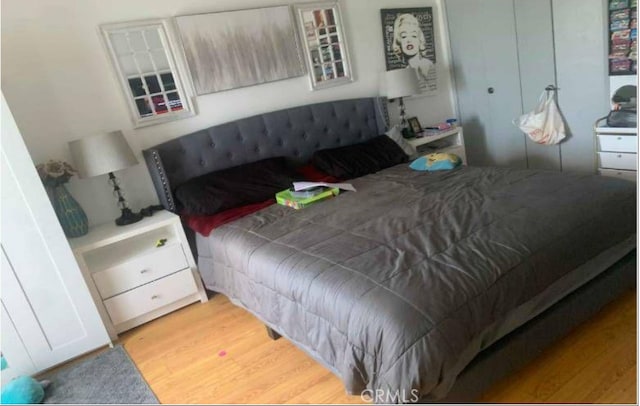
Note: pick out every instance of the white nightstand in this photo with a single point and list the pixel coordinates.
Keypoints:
(451, 141)
(617, 151)
(135, 278)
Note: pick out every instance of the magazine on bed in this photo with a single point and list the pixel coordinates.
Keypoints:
(308, 185)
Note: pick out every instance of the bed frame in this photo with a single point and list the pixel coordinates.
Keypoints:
(299, 131)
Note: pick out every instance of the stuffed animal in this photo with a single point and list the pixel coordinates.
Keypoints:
(23, 389)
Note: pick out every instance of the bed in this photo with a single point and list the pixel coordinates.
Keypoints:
(419, 286)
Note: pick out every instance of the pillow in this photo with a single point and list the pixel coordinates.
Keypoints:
(233, 187)
(313, 174)
(396, 135)
(436, 162)
(361, 159)
(206, 224)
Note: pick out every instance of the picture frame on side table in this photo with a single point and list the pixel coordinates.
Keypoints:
(325, 45)
(414, 125)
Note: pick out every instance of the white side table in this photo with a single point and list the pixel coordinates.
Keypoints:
(138, 272)
(616, 151)
(450, 141)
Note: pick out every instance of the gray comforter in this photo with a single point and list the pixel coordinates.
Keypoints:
(398, 286)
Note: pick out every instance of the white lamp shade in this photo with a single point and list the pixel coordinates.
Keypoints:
(401, 83)
(101, 154)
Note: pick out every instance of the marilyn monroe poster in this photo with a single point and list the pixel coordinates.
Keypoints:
(409, 41)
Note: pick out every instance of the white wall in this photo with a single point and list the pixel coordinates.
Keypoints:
(59, 83)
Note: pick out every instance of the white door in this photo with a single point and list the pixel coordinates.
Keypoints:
(17, 358)
(43, 290)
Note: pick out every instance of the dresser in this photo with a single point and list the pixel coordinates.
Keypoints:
(617, 150)
(138, 272)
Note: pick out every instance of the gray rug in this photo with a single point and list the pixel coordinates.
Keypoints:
(109, 377)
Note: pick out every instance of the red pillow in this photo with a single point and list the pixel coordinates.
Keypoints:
(313, 174)
(206, 224)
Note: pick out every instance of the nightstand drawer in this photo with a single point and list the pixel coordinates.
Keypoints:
(616, 173)
(138, 271)
(615, 160)
(618, 143)
(149, 297)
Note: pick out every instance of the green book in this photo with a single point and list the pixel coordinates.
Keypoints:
(286, 199)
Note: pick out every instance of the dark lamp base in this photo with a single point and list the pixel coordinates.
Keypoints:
(128, 217)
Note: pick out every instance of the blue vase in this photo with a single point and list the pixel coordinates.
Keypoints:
(71, 216)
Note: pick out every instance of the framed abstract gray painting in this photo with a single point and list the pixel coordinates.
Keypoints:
(233, 49)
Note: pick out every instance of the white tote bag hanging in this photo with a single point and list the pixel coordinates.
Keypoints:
(544, 124)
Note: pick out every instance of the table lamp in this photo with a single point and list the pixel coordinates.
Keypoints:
(401, 83)
(106, 153)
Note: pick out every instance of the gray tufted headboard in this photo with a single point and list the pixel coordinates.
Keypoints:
(295, 133)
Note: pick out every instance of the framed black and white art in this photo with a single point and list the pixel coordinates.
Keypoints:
(408, 37)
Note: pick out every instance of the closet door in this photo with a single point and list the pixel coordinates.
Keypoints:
(518, 47)
(485, 62)
(581, 54)
(534, 27)
(14, 352)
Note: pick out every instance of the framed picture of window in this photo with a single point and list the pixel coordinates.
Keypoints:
(143, 59)
(325, 45)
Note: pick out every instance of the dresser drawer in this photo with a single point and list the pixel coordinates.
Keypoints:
(617, 173)
(615, 160)
(618, 143)
(152, 296)
(148, 267)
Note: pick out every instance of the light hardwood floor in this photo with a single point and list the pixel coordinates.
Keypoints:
(218, 353)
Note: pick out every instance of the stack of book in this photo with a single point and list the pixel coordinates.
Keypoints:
(304, 198)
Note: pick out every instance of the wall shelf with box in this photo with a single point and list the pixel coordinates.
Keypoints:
(138, 272)
(623, 37)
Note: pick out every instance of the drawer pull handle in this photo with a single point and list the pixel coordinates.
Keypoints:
(154, 297)
(619, 138)
(144, 271)
(619, 156)
(161, 242)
